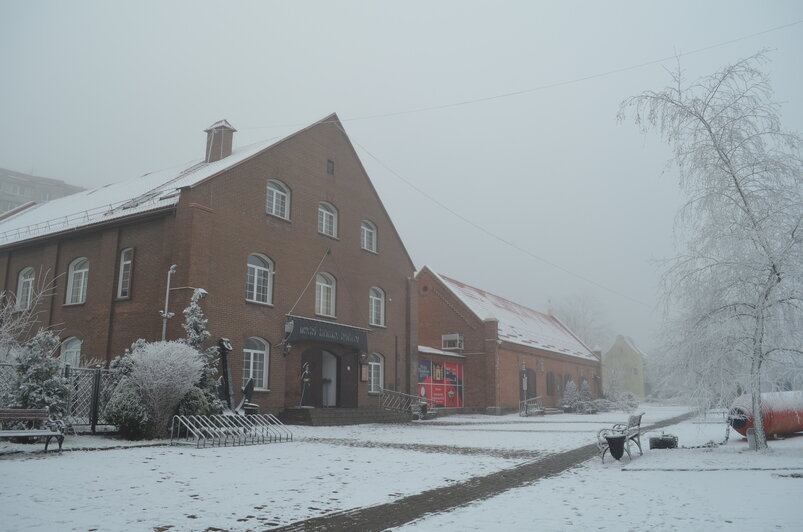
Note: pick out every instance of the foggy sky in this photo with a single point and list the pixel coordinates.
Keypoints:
(98, 92)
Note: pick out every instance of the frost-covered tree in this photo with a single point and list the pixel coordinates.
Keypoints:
(586, 318)
(195, 325)
(37, 381)
(571, 395)
(163, 373)
(585, 391)
(736, 290)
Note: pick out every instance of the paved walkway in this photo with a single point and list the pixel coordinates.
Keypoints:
(383, 516)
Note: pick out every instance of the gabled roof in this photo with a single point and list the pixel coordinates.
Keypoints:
(519, 324)
(149, 192)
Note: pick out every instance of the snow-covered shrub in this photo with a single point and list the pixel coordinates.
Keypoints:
(571, 396)
(37, 381)
(126, 409)
(626, 401)
(194, 403)
(164, 372)
(195, 324)
(603, 405)
(585, 391)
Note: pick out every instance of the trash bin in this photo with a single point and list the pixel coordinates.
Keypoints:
(250, 409)
(616, 445)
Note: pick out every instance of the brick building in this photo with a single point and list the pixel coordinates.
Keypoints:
(476, 348)
(18, 189)
(300, 260)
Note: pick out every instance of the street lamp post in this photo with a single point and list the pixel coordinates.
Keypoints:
(166, 314)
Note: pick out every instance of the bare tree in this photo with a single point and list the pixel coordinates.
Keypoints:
(736, 288)
(19, 313)
(586, 318)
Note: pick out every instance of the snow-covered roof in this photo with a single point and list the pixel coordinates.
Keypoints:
(519, 324)
(149, 192)
(440, 352)
(220, 124)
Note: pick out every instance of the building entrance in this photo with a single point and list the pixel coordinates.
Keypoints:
(332, 378)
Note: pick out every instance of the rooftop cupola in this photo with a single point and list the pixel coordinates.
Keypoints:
(219, 137)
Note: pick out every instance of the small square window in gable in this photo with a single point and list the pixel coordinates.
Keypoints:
(330, 167)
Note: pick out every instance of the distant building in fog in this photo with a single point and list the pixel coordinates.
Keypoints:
(623, 368)
(18, 189)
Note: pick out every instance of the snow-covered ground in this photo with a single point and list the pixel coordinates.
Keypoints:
(330, 469)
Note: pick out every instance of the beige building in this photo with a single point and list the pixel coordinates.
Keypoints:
(623, 368)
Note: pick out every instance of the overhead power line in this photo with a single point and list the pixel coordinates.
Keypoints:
(494, 235)
(554, 84)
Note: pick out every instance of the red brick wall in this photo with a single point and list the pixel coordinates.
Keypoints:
(492, 369)
(215, 227)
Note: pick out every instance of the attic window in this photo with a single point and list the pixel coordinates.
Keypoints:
(330, 167)
(452, 342)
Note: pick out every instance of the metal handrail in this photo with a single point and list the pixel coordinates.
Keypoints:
(531, 405)
(402, 402)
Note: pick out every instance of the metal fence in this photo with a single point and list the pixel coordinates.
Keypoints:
(90, 391)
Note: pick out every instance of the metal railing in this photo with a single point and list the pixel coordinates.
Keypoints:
(90, 391)
(531, 406)
(223, 430)
(402, 402)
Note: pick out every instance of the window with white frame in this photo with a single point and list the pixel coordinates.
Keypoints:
(325, 292)
(278, 200)
(327, 220)
(71, 351)
(259, 282)
(376, 373)
(77, 279)
(25, 288)
(124, 276)
(256, 357)
(368, 236)
(452, 342)
(376, 303)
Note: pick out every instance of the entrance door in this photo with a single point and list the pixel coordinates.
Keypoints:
(348, 381)
(527, 384)
(328, 379)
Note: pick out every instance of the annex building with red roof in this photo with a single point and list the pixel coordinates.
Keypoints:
(481, 351)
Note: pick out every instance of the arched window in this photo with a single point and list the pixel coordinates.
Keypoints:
(71, 351)
(124, 277)
(256, 359)
(368, 236)
(376, 304)
(376, 373)
(25, 288)
(77, 279)
(278, 200)
(259, 283)
(327, 219)
(325, 293)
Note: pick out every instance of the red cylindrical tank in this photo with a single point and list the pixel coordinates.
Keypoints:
(781, 412)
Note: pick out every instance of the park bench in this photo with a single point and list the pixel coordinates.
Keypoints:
(40, 421)
(630, 431)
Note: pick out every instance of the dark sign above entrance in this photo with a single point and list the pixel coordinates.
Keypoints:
(306, 329)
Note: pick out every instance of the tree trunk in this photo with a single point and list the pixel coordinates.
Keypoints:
(755, 392)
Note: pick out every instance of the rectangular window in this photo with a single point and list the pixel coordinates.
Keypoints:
(441, 383)
(452, 342)
(124, 281)
(330, 167)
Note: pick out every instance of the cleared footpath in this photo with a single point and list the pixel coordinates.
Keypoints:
(392, 514)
